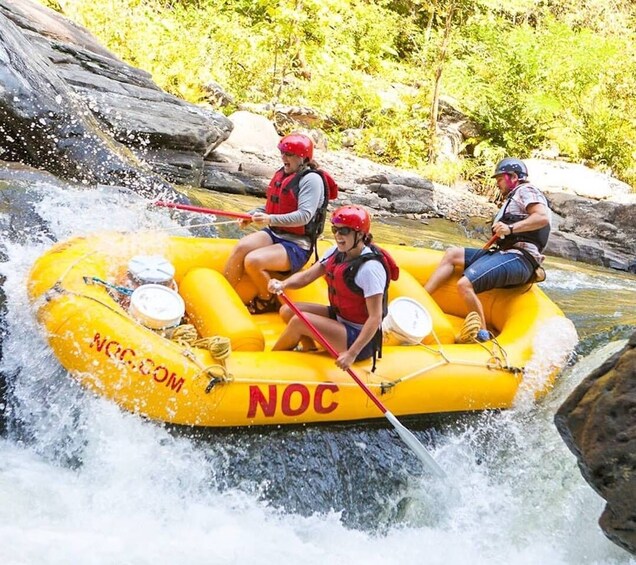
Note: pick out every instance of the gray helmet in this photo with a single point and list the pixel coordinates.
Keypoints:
(511, 165)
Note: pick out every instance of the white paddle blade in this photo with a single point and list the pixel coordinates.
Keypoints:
(416, 446)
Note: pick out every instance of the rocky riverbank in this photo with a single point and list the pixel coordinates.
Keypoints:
(598, 424)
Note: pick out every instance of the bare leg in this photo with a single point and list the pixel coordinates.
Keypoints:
(234, 268)
(467, 292)
(259, 261)
(454, 257)
(286, 313)
(334, 332)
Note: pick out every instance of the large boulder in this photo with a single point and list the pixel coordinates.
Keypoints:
(598, 423)
(252, 132)
(601, 232)
(73, 108)
(577, 179)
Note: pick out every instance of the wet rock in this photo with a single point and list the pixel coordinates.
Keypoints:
(600, 232)
(179, 167)
(598, 424)
(70, 107)
(576, 179)
(593, 252)
(222, 181)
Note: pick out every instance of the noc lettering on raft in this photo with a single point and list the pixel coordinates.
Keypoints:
(294, 401)
(115, 350)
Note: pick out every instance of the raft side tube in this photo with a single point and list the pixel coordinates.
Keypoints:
(214, 308)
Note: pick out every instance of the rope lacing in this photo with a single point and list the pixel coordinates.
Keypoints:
(470, 328)
(219, 347)
(498, 359)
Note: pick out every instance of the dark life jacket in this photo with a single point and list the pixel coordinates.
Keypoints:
(537, 237)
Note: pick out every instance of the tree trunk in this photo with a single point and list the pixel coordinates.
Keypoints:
(432, 128)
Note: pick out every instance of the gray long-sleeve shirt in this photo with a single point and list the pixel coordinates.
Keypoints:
(311, 193)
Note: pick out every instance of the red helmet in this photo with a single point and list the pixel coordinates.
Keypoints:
(354, 217)
(297, 144)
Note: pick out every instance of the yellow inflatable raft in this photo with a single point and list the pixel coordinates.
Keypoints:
(165, 377)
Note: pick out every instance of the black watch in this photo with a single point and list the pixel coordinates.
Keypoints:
(510, 226)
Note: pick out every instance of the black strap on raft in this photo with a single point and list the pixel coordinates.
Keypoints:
(538, 273)
(376, 342)
(350, 275)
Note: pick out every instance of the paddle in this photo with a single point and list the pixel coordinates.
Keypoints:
(485, 248)
(189, 208)
(405, 434)
(491, 241)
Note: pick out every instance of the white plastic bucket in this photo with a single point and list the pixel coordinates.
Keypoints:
(156, 306)
(151, 269)
(407, 322)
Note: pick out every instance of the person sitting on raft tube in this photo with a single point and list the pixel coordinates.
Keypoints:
(358, 275)
(293, 217)
(523, 227)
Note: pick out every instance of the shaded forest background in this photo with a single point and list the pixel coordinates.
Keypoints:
(536, 77)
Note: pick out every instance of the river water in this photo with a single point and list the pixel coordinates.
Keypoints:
(82, 482)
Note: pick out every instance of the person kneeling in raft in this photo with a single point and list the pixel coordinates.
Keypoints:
(358, 275)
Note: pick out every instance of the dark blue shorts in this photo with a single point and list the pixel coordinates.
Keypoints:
(297, 255)
(487, 270)
(352, 335)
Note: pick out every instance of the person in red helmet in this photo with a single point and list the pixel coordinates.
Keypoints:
(358, 275)
(292, 219)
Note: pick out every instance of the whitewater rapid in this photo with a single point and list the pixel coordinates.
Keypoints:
(83, 482)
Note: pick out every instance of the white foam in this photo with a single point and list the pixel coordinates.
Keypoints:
(84, 482)
(553, 347)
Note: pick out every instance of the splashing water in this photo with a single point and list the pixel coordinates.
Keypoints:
(83, 482)
(553, 347)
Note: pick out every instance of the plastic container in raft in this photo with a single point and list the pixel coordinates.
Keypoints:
(407, 321)
(156, 306)
(151, 269)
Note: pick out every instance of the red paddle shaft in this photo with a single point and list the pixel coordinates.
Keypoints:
(331, 350)
(491, 241)
(406, 435)
(190, 208)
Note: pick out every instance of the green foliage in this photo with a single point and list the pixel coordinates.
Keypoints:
(53, 4)
(532, 75)
(396, 138)
(535, 89)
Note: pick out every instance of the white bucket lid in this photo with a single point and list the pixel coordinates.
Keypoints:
(151, 269)
(408, 320)
(156, 306)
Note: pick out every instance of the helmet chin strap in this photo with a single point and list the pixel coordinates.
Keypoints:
(357, 239)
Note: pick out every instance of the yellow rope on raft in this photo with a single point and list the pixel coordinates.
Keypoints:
(470, 329)
(498, 358)
(185, 334)
(219, 347)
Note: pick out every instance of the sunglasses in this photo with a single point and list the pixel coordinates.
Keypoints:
(344, 230)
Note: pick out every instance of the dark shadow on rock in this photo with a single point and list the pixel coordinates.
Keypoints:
(598, 424)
